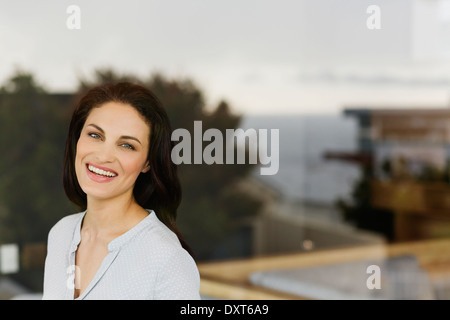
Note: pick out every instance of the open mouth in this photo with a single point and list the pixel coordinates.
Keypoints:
(100, 172)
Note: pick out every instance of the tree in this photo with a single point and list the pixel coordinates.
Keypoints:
(359, 210)
(32, 135)
(32, 200)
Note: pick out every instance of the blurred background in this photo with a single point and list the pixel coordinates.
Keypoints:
(360, 94)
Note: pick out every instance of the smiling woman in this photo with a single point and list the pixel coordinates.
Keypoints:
(113, 154)
(124, 244)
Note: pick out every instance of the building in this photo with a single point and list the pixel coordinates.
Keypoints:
(408, 151)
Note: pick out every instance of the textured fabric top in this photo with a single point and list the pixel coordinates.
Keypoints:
(146, 262)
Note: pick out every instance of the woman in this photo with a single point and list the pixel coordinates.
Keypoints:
(124, 244)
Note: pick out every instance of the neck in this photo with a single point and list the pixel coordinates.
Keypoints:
(112, 216)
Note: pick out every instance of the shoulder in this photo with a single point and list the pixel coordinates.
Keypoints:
(176, 272)
(161, 232)
(157, 238)
(64, 227)
(68, 222)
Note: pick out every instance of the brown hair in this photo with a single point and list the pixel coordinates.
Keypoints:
(158, 189)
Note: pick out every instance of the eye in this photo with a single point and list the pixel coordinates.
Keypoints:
(94, 135)
(128, 146)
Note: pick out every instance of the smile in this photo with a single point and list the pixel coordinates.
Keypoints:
(100, 172)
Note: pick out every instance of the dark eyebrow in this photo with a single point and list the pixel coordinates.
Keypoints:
(121, 137)
(131, 138)
(96, 127)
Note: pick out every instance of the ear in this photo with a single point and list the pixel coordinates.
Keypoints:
(146, 168)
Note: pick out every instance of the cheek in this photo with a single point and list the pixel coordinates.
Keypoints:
(78, 157)
(80, 151)
(133, 166)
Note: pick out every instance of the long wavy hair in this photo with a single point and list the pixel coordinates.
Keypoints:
(158, 189)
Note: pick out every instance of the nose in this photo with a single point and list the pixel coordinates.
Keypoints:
(106, 153)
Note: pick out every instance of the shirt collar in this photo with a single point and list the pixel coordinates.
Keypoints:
(121, 240)
(118, 242)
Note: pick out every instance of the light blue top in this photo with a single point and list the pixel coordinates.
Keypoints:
(146, 262)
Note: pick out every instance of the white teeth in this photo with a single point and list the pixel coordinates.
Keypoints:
(101, 172)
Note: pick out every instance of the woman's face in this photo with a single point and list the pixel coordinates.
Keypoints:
(112, 151)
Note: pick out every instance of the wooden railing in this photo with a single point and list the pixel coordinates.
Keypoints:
(230, 279)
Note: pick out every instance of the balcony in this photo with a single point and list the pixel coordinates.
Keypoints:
(409, 270)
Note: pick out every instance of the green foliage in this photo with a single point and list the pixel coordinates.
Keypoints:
(359, 210)
(32, 139)
(353, 210)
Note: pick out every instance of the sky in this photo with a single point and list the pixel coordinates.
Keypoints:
(261, 56)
